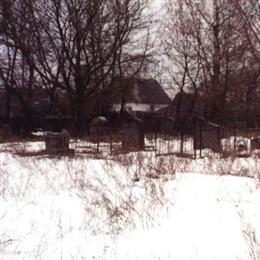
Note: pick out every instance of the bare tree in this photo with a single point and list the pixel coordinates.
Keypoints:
(76, 46)
(180, 50)
(88, 41)
(17, 70)
(250, 12)
(208, 47)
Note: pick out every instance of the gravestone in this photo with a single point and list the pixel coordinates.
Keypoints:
(57, 143)
(255, 143)
(133, 134)
(99, 126)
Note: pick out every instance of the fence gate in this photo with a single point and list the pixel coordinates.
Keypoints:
(206, 135)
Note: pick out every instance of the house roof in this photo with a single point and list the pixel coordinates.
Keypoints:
(138, 90)
(187, 106)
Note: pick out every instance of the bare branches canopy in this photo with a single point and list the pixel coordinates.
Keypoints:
(75, 46)
(213, 47)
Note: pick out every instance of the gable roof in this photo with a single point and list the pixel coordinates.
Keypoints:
(186, 102)
(138, 90)
(189, 106)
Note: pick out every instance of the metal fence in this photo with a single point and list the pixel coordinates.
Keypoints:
(193, 142)
(205, 137)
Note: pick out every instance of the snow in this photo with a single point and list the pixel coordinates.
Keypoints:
(83, 208)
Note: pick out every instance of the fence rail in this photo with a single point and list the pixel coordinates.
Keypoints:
(187, 142)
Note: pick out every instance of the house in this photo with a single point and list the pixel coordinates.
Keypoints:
(39, 114)
(132, 95)
(10, 105)
(182, 111)
(183, 105)
(138, 95)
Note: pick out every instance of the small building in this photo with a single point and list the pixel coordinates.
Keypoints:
(138, 95)
(183, 107)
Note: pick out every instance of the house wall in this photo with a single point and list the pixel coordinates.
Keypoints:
(140, 107)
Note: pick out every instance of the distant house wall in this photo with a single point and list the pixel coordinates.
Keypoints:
(142, 107)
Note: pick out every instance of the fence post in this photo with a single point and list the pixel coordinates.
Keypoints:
(195, 141)
(110, 140)
(98, 142)
(200, 133)
(155, 142)
(235, 140)
(181, 141)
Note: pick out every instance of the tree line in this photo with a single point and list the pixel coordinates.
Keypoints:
(210, 48)
(213, 48)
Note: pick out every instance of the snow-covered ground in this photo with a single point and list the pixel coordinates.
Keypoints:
(133, 206)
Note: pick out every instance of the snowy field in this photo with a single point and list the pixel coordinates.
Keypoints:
(133, 206)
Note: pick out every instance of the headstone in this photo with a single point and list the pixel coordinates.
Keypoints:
(255, 143)
(133, 134)
(241, 145)
(57, 143)
(99, 126)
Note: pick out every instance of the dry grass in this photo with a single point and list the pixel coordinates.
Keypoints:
(126, 193)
